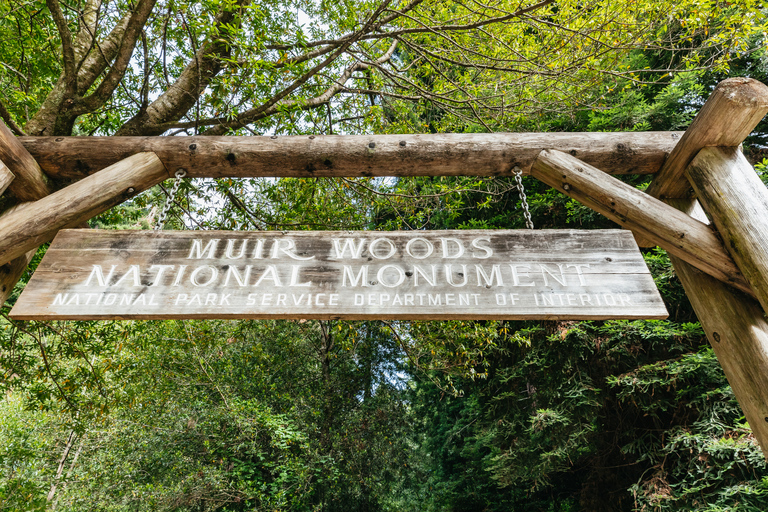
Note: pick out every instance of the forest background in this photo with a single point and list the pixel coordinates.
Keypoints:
(369, 416)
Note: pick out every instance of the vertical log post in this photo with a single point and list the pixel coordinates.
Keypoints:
(737, 200)
(726, 119)
(736, 329)
(734, 323)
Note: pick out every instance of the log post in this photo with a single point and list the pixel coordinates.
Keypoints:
(726, 119)
(6, 177)
(30, 224)
(30, 183)
(738, 332)
(737, 200)
(678, 233)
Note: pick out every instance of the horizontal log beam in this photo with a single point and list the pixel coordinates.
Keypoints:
(30, 224)
(494, 154)
(6, 177)
(30, 183)
(737, 200)
(726, 119)
(678, 233)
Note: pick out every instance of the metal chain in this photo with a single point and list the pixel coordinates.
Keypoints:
(169, 200)
(523, 199)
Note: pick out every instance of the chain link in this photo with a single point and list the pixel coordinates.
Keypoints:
(169, 200)
(523, 199)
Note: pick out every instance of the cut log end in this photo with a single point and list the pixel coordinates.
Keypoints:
(746, 92)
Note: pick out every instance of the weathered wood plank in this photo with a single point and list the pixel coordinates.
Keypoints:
(737, 200)
(472, 274)
(729, 115)
(678, 233)
(30, 224)
(737, 330)
(6, 177)
(494, 154)
(30, 183)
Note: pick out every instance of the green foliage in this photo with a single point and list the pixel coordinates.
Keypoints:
(24, 437)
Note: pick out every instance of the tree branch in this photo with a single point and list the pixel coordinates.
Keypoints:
(9, 120)
(183, 94)
(110, 82)
(67, 50)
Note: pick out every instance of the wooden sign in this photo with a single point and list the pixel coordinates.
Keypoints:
(545, 274)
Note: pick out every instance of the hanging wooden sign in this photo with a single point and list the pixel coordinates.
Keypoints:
(499, 274)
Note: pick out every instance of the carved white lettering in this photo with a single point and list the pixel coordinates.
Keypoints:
(383, 271)
(213, 274)
(229, 253)
(449, 275)
(160, 271)
(355, 251)
(484, 279)
(242, 280)
(295, 277)
(516, 276)
(179, 275)
(546, 271)
(133, 271)
(375, 243)
(258, 251)
(198, 252)
(578, 267)
(419, 255)
(487, 250)
(270, 273)
(99, 275)
(417, 271)
(444, 242)
(288, 250)
(361, 277)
